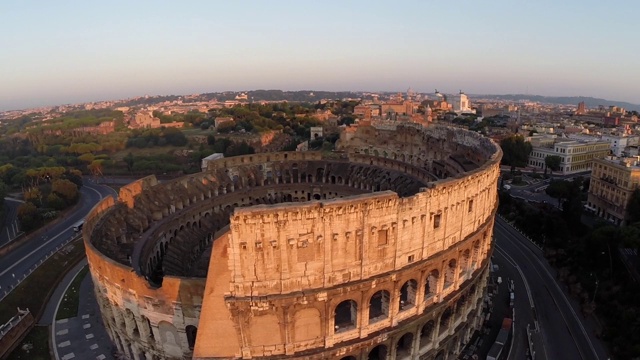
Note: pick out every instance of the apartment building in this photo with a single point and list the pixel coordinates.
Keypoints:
(613, 180)
(576, 156)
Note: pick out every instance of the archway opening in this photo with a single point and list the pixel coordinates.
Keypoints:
(191, 332)
(450, 273)
(379, 306)
(404, 346)
(408, 294)
(346, 316)
(378, 353)
(445, 319)
(426, 334)
(431, 284)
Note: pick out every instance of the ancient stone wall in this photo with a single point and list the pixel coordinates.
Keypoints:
(381, 249)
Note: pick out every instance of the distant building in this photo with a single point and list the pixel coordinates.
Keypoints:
(460, 103)
(145, 120)
(581, 108)
(613, 180)
(316, 132)
(619, 143)
(576, 156)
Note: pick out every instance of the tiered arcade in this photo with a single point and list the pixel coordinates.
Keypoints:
(378, 251)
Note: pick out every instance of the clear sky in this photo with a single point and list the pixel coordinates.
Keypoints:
(54, 52)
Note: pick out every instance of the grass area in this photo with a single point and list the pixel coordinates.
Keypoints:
(69, 305)
(34, 347)
(34, 291)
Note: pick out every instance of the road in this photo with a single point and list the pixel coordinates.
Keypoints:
(565, 331)
(16, 264)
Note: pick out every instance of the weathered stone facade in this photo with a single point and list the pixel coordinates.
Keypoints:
(380, 250)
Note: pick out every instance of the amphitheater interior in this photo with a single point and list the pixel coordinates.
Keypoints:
(379, 250)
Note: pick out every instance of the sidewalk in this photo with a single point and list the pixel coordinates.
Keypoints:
(83, 336)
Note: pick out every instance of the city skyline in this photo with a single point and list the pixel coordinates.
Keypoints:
(76, 52)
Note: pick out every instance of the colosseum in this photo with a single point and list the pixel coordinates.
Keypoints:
(379, 250)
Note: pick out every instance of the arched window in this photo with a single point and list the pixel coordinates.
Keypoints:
(404, 346)
(379, 306)
(450, 273)
(426, 334)
(346, 316)
(431, 284)
(408, 294)
(445, 320)
(191, 335)
(378, 353)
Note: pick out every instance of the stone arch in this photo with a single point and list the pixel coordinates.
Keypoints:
(408, 293)
(378, 353)
(431, 284)
(426, 334)
(450, 273)
(475, 254)
(404, 346)
(445, 320)
(346, 316)
(379, 306)
(169, 339)
(191, 332)
(131, 324)
(307, 325)
(465, 261)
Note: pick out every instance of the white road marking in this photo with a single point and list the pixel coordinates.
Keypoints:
(88, 336)
(64, 343)
(62, 332)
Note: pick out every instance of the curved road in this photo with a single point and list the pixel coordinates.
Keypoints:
(15, 264)
(564, 329)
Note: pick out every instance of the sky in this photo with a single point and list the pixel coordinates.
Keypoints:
(60, 52)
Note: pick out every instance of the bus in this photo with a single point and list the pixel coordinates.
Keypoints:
(78, 226)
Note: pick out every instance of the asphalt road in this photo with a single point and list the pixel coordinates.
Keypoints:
(16, 264)
(566, 333)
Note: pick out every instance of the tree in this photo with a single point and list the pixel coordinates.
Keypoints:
(129, 160)
(66, 189)
(552, 162)
(515, 151)
(633, 207)
(28, 216)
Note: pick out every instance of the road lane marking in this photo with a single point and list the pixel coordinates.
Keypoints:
(47, 242)
(518, 245)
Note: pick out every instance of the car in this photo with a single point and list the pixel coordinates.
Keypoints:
(499, 279)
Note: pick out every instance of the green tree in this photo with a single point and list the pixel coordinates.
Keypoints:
(55, 201)
(129, 160)
(633, 207)
(515, 151)
(66, 189)
(552, 162)
(28, 216)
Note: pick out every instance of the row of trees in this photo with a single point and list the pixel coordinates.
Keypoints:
(515, 153)
(53, 190)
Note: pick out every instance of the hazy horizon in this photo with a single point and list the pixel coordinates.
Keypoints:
(73, 52)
